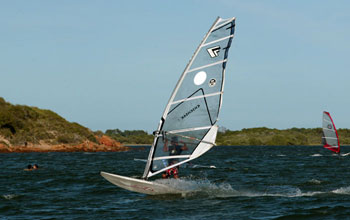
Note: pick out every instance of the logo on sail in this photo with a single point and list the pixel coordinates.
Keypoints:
(329, 126)
(212, 82)
(214, 51)
(190, 111)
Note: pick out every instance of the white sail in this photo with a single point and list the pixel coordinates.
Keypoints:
(189, 119)
(330, 138)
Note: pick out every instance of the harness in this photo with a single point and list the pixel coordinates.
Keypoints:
(172, 171)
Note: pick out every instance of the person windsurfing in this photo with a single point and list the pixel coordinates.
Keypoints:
(330, 138)
(174, 149)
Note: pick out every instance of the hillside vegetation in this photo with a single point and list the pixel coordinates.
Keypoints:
(250, 136)
(20, 124)
(130, 136)
(273, 137)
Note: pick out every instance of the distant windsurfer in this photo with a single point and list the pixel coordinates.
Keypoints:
(174, 149)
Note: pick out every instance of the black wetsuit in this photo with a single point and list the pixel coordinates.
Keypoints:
(174, 150)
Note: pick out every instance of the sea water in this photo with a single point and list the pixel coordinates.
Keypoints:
(252, 182)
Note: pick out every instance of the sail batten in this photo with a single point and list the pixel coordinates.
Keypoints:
(188, 129)
(171, 157)
(188, 124)
(215, 41)
(330, 137)
(197, 97)
(206, 66)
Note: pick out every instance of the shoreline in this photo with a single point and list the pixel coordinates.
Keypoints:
(137, 145)
(104, 144)
(63, 148)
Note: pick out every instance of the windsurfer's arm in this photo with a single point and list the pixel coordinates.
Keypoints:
(184, 147)
(165, 147)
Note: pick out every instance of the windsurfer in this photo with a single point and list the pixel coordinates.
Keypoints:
(174, 149)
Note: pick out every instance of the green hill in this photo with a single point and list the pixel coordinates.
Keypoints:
(273, 137)
(130, 136)
(250, 136)
(20, 124)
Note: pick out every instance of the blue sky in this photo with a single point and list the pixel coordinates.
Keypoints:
(113, 64)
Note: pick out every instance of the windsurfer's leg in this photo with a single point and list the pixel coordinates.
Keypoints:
(176, 173)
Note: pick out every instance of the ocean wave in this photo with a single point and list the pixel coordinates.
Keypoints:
(316, 155)
(315, 181)
(9, 196)
(199, 186)
(280, 191)
(194, 166)
(342, 190)
(191, 187)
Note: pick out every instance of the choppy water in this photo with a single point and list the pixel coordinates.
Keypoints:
(248, 183)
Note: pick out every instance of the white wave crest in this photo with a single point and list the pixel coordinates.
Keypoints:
(9, 196)
(281, 191)
(192, 187)
(342, 190)
(316, 155)
(315, 181)
(189, 186)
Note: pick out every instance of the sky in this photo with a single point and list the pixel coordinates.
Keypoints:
(114, 64)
